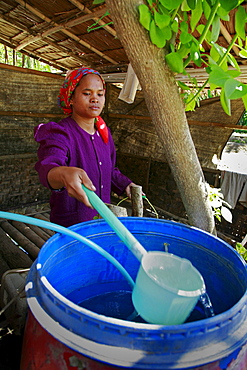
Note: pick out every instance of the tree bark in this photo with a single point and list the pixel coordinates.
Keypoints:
(166, 109)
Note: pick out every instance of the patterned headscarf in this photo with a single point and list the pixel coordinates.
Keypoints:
(71, 81)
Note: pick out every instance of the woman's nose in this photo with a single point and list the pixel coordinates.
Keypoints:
(94, 98)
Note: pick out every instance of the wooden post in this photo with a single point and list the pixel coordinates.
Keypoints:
(137, 201)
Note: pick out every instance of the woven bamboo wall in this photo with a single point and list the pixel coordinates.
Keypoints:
(26, 100)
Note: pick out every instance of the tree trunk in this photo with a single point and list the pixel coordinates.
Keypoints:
(166, 109)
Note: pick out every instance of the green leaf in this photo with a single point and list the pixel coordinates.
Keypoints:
(144, 16)
(206, 9)
(215, 28)
(175, 62)
(157, 35)
(95, 2)
(232, 61)
(183, 51)
(214, 55)
(190, 103)
(167, 33)
(241, 250)
(229, 4)
(221, 50)
(171, 4)
(243, 53)
(244, 98)
(185, 37)
(195, 55)
(161, 20)
(185, 7)
(234, 73)
(240, 22)
(217, 76)
(225, 103)
(200, 29)
(223, 14)
(234, 89)
(192, 4)
(184, 26)
(240, 42)
(183, 86)
(195, 16)
(174, 26)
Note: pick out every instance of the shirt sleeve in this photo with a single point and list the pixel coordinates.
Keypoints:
(53, 149)
(119, 181)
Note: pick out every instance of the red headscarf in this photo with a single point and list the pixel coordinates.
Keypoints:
(71, 81)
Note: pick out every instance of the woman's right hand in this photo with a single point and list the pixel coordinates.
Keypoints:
(71, 178)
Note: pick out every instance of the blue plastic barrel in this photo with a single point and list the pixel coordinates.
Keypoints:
(69, 285)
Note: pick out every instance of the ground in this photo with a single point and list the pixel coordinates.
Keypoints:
(10, 349)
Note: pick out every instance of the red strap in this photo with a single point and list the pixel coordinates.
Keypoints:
(102, 128)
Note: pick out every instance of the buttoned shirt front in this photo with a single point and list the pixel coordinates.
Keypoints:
(66, 144)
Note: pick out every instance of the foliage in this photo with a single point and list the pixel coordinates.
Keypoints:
(241, 250)
(171, 24)
(9, 56)
(219, 206)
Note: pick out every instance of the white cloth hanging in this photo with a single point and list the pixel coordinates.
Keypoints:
(130, 86)
(234, 188)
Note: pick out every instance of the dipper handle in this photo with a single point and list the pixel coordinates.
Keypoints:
(124, 234)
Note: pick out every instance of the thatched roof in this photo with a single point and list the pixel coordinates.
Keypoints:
(57, 32)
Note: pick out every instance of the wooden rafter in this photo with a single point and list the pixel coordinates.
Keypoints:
(56, 27)
(96, 19)
(33, 54)
(228, 38)
(20, 27)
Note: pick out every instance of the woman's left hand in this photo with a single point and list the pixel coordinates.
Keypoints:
(128, 190)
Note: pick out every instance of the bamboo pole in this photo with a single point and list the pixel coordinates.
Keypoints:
(20, 239)
(3, 266)
(40, 232)
(45, 218)
(12, 254)
(28, 233)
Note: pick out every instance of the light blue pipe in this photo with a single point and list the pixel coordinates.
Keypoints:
(124, 234)
(74, 235)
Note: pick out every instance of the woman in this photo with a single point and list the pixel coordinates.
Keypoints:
(78, 149)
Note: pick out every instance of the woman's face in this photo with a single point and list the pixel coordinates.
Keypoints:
(88, 98)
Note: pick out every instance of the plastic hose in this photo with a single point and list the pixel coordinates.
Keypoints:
(74, 235)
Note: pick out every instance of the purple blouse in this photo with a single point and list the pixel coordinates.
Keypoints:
(66, 144)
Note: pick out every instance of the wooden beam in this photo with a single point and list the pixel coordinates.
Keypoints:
(228, 38)
(31, 71)
(84, 9)
(33, 54)
(31, 114)
(22, 28)
(56, 28)
(190, 122)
